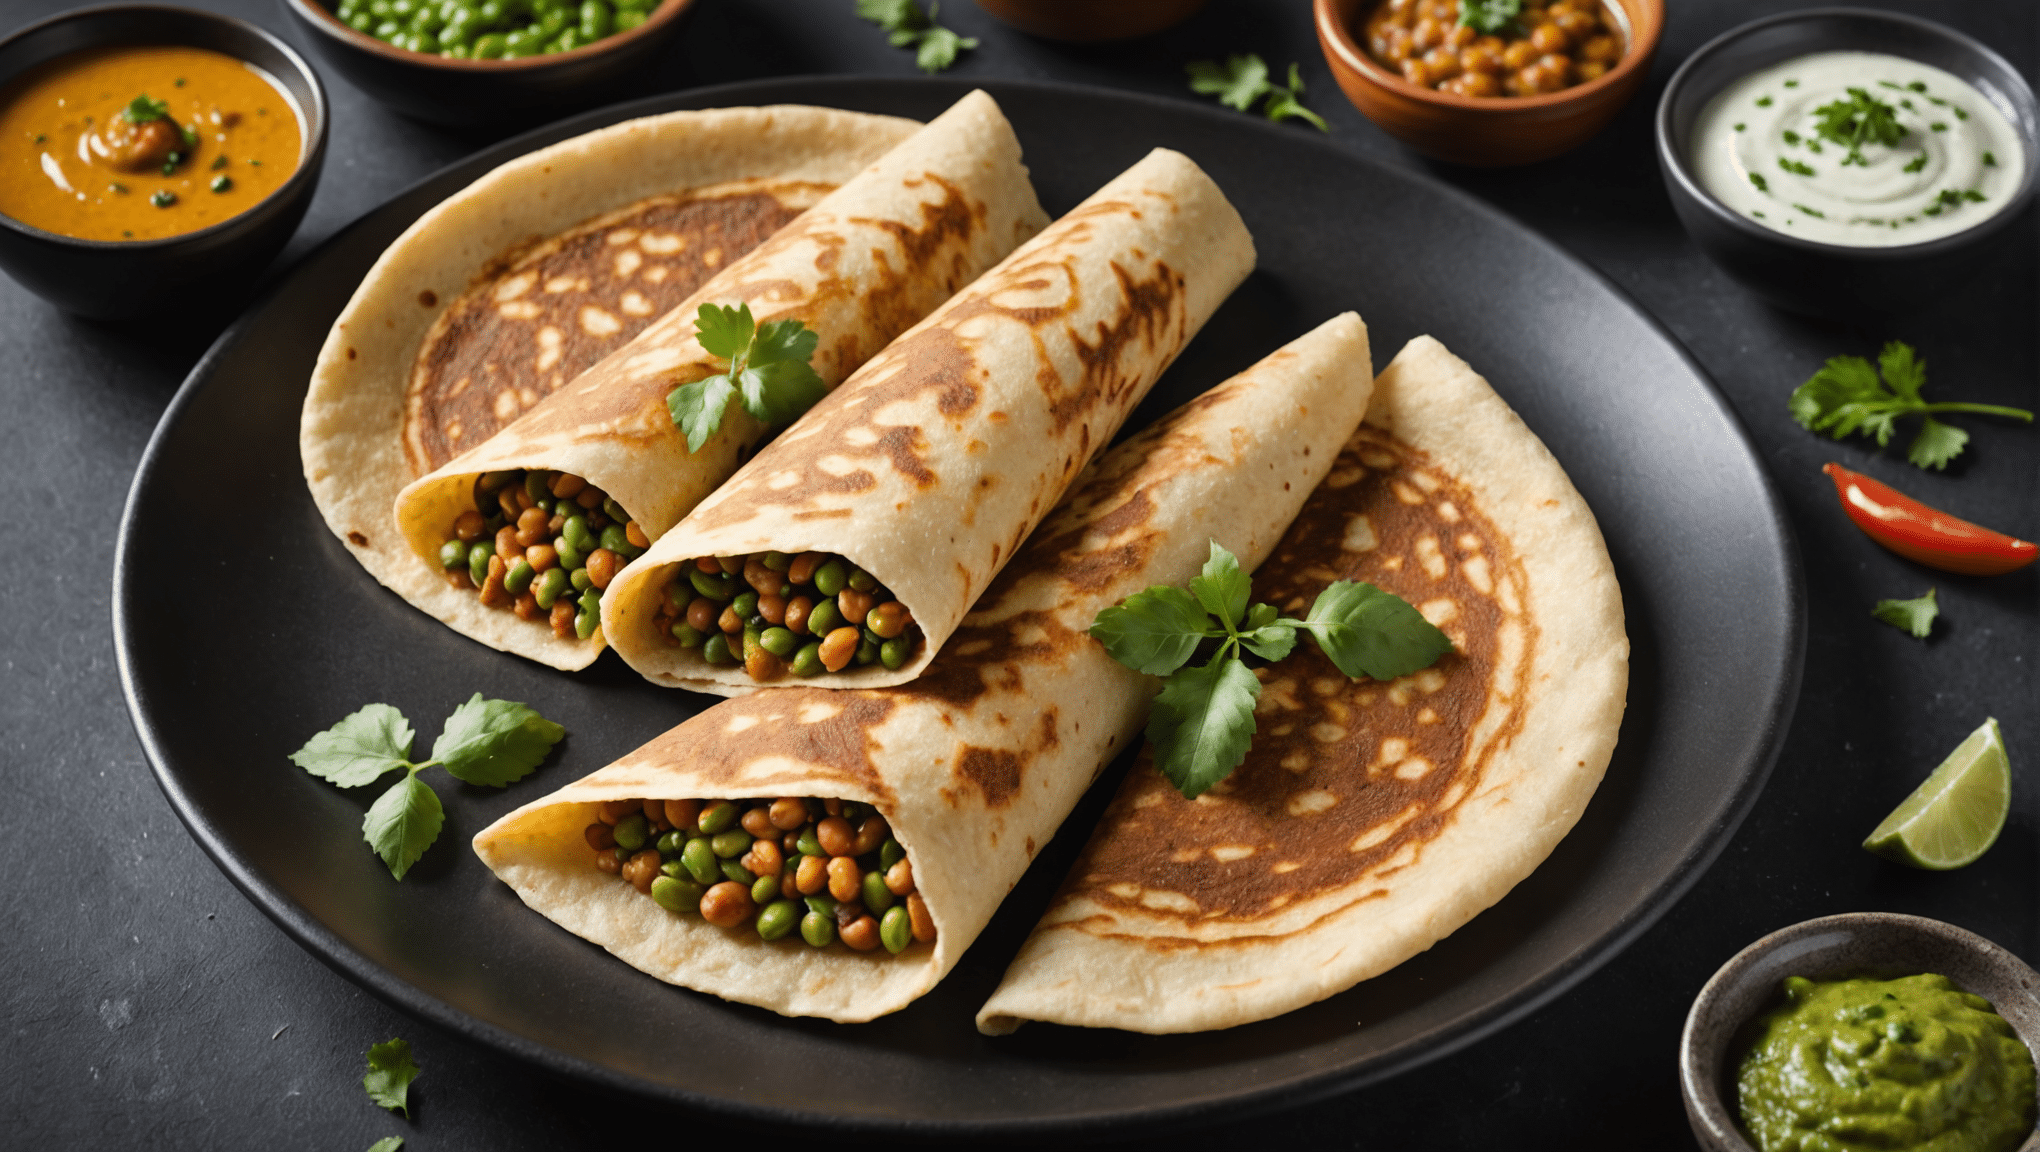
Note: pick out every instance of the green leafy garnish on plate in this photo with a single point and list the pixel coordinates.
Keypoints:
(768, 371)
(1915, 615)
(142, 109)
(390, 1072)
(491, 742)
(1241, 80)
(1859, 120)
(1489, 16)
(906, 26)
(387, 1144)
(1847, 396)
(1203, 722)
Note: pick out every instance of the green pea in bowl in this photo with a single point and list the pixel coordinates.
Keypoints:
(487, 63)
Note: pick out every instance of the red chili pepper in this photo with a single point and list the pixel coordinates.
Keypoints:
(1925, 534)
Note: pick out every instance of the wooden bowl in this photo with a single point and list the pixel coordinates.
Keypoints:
(1493, 132)
(1082, 22)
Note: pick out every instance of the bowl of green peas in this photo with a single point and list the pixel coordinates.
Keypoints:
(476, 63)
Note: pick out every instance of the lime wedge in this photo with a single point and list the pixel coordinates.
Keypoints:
(1956, 814)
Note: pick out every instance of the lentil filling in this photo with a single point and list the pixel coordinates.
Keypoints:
(774, 613)
(1549, 47)
(826, 869)
(546, 547)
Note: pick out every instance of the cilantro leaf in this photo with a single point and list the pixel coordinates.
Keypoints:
(403, 822)
(1237, 83)
(387, 1144)
(1859, 120)
(906, 26)
(1203, 722)
(1287, 103)
(939, 47)
(769, 372)
(495, 742)
(1847, 396)
(1915, 616)
(1223, 588)
(1489, 16)
(390, 1072)
(1154, 631)
(141, 110)
(360, 748)
(1368, 632)
(1271, 642)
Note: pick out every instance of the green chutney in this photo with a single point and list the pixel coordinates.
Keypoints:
(1907, 1065)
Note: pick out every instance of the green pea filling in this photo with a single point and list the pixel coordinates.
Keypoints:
(828, 870)
(492, 29)
(777, 614)
(543, 545)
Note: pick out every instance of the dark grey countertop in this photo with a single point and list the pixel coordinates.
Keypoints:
(153, 1006)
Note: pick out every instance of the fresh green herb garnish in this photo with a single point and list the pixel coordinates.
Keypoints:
(1791, 137)
(492, 742)
(768, 370)
(1489, 16)
(1918, 162)
(222, 182)
(1740, 127)
(219, 162)
(390, 1072)
(906, 26)
(1241, 80)
(1915, 616)
(1795, 167)
(1938, 126)
(1990, 159)
(387, 1144)
(1792, 83)
(1846, 396)
(1813, 212)
(1763, 102)
(41, 137)
(1203, 721)
(163, 198)
(1762, 184)
(178, 83)
(117, 186)
(1859, 120)
(1918, 86)
(141, 110)
(189, 136)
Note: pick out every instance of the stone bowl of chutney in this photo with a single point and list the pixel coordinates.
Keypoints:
(153, 161)
(1525, 89)
(1722, 1024)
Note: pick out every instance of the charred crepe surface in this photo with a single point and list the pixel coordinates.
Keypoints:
(538, 317)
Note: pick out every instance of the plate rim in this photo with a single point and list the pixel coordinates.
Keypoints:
(1294, 1091)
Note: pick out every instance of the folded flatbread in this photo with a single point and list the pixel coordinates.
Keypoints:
(859, 266)
(1369, 820)
(975, 763)
(930, 465)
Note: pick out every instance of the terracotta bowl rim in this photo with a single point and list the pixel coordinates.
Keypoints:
(329, 23)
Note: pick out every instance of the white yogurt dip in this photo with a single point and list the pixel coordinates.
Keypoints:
(1857, 148)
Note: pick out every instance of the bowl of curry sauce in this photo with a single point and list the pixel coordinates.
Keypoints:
(152, 159)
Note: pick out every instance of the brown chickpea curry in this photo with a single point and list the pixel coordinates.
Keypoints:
(139, 143)
(1550, 46)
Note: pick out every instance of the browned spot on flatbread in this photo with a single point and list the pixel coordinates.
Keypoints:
(357, 539)
(428, 298)
(1347, 780)
(826, 735)
(994, 772)
(485, 361)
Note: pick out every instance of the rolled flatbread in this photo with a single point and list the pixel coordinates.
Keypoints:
(927, 469)
(1369, 820)
(510, 287)
(974, 764)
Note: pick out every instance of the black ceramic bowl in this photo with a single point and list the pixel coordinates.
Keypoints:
(481, 93)
(1879, 944)
(111, 280)
(1833, 279)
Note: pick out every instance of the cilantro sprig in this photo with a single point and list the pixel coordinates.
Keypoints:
(1847, 397)
(1489, 16)
(1915, 616)
(1859, 120)
(769, 372)
(142, 109)
(1241, 80)
(906, 26)
(388, 1083)
(1203, 722)
(492, 742)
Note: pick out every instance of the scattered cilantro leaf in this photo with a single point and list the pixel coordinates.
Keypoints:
(360, 748)
(390, 1072)
(1859, 120)
(141, 110)
(1795, 167)
(403, 823)
(1847, 396)
(1241, 80)
(494, 742)
(906, 26)
(1915, 616)
(768, 372)
(1203, 722)
(387, 1144)
(1489, 16)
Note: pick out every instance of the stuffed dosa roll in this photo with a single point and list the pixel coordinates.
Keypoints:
(833, 854)
(1369, 820)
(846, 551)
(526, 529)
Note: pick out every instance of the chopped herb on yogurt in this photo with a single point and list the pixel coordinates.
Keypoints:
(1796, 168)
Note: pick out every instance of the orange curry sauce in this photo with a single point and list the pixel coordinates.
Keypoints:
(74, 162)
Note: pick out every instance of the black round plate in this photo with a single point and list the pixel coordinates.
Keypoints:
(244, 627)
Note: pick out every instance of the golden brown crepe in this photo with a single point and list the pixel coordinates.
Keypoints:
(858, 268)
(1369, 820)
(932, 464)
(417, 368)
(975, 763)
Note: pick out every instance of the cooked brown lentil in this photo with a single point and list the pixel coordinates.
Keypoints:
(820, 869)
(777, 614)
(1550, 47)
(542, 544)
